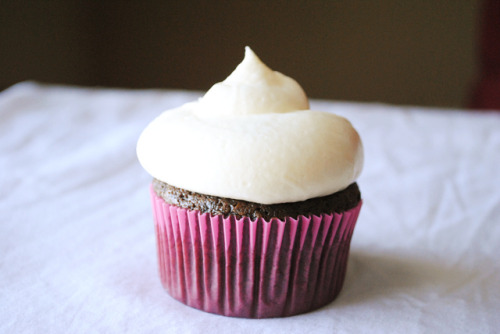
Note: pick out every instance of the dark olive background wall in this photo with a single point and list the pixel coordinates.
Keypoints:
(418, 52)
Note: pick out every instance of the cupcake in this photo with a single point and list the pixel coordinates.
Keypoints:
(254, 196)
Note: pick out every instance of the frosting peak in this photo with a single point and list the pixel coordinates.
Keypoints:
(253, 88)
(252, 137)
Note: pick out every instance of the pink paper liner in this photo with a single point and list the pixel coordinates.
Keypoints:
(252, 269)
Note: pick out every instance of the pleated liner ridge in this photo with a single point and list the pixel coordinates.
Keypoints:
(252, 269)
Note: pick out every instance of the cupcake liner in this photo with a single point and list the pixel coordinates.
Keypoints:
(252, 269)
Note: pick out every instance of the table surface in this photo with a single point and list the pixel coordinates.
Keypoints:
(77, 245)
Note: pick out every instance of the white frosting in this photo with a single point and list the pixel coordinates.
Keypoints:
(252, 137)
(253, 88)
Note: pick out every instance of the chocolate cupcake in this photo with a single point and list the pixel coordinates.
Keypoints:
(254, 195)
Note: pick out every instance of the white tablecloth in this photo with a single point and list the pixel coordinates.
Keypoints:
(77, 245)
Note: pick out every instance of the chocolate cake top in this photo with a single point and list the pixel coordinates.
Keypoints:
(338, 202)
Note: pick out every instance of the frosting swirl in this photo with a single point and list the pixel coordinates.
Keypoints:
(253, 88)
(252, 137)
